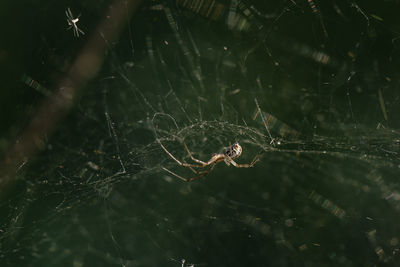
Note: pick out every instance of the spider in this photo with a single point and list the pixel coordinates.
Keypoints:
(232, 152)
(72, 22)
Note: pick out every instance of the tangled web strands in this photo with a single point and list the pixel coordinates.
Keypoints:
(320, 110)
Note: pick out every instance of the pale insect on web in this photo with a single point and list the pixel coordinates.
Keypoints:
(72, 22)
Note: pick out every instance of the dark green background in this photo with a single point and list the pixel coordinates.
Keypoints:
(62, 210)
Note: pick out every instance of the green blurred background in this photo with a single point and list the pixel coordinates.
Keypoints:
(310, 86)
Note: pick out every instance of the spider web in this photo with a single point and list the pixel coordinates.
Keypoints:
(309, 86)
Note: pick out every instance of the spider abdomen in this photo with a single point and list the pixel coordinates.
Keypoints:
(234, 151)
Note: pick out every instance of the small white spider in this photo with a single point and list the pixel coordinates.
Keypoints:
(72, 22)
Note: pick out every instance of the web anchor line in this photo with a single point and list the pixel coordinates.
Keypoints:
(264, 121)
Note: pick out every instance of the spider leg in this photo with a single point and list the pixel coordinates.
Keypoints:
(77, 31)
(193, 158)
(251, 164)
(177, 161)
(68, 12)
(81, 31)
(202, 173)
